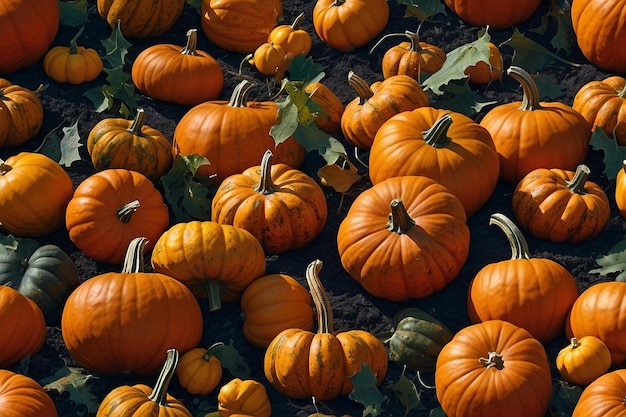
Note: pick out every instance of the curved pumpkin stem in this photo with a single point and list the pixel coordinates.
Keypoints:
(239, 98)
(360, 85)
(437, 135)
(192, 43)
(577, 184)
(266, 185)
(211, 349)
(133, 261)
(135, 127)
(159, 392)
(530, 100)
(400, 221)
(320, 298)
(413, 37)
(519, 246)
(297, 22)
(74, 42)
(125, 212)
(494, 360)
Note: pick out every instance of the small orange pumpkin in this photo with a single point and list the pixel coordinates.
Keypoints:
(412, 57)
(239, 398)
(21, 113)
(292, 38)
(330, 119)
(583, 360)
(73, 64)
(269, 58)
(199, 371)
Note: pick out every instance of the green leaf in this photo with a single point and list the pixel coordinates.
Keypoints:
(461, 98)
(365, 392)
(72, 381)
(564, 398)
(116, 48)
(407, 394)
(457, 62)
(612, 262)
(288, 121)
(548, 86)
(565, 38)
(614, 154)
(232, 360)
(305, 70)
(437, 412)
(62, 148)
(73, 13)
(531, 56)
(188, 195)
(423, 9)
(196, 4)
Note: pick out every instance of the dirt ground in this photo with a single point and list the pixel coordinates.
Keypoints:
(353, 308)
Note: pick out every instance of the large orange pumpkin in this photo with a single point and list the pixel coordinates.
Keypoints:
(22, 396)
(141, 18)
(604, 397)
(497, 14)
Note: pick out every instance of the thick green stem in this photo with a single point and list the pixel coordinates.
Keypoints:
(74, 42)
(519, 246)
(320, 298)
(360, 85)
(135, 127)
(400, 221)
(437, 135)
(266, 185)
(192, 43)
(213, 287)
(530, 99)
(159, 392)
(577, 184)
(211, 350)
(125, 212)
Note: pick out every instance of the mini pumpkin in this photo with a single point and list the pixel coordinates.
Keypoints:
(22, 396)
(72, 64)
(620, 189)
(269, 58)
(141, 18)
(412, 57)
(293, 39)
(245, 397)
(583, 360)
(199, 371)
(21, 113)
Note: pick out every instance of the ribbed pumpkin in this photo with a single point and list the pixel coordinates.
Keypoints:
(247, 397)
(294, 40)
(129, 144)
(21, 113)
(109, 315)
(446, 146)
(274, 303)
(300, 364)
(417, 224)
(496, 14)
(22, 323)
(216, 261)
(72, 64)
(181, 75)
(112, 207)
(27, 30)
(561, 206)
(234, 135)
(34, 193)
(333, 108)
(493, 369)
(412, 58)
(533, 293)
(531, 134)
(584, 360)
(239, 25)
(603, 104)
(375, 104)
(601, 40)
(604, 397)
(620, 189)
(199, 371)
(417, 339)
(22, 396)
(141, 18)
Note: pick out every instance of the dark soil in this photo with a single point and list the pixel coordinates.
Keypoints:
(353, 308)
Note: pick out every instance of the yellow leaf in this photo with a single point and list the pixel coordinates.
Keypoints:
(339, 177)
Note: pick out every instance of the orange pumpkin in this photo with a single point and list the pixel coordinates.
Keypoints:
(603, 397)
(493, 369)
(239, 398)
(73, 64)
(425, 239)
(584, 360)
(199, 371)
(270, 58)
(329, 120)
(531, 134)
(22, 396)
(21, 114)
(485, 72)
(141, 18)
(620, 189)
(496, 14)
(533, 293)
(412, 58)
(184, 75)
(292, 38)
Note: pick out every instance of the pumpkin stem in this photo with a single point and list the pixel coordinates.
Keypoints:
(73, 42)
(213, 290)
(530, 100)
(360, 85)
(4, 168)
(159, 392)
(239, 98)
(210, 351)
(192, 42)
(338, 2)
(399, 220)
(622, 93)
(135, 127)
(494, 360)
(574, 343)
(519, 246)
(437, 135)
(125, 212)
(320, 298)
(266, 185)
(577, 184)
(297, 22)
(413, 38)
(133, 261)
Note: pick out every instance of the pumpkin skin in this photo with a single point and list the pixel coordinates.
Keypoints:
(604, 397)
(349, 24)
(603, 104)
(199, 371)
(412, 58)
(493, 13)
(21, 114)
(141, 400)
(72, 64)
(45, 274)
(583, 361)
(471, 381)
(602, 44)
(181, 75)
(34, 193)
(274, 303)
(112, 207)
(22, 319)
(533, 293)
(531, 134)
(597, 312)
(27, 30)
(141, 18)
(426, 240)
(282, 207)
(417, 340)
(233, 135)
(129, 144)
(269, 58)
(483, 72)
(239, 25)
(292, 38)
(22, 396)
(375, 104)
(104, 318)
(561, 206)
(299, 363)
(216, 261)
(243, 398)
(446, 146)
(332, 107)
(620, 189)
